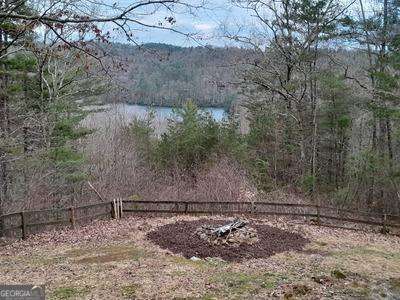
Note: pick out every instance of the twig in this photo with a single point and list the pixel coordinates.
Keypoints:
(94, 189)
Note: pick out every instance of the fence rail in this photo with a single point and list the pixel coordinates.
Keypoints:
(25, 223)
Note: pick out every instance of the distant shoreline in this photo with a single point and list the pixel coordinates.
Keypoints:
(171, 107)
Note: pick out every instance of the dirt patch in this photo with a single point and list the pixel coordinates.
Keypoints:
(106, 254)
(181, 237)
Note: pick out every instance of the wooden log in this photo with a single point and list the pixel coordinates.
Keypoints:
(228, 228)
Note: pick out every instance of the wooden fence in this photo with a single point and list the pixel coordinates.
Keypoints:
(22, 224)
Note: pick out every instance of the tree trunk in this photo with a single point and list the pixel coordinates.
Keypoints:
(3, 160)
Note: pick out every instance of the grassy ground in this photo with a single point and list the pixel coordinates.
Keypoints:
(114, 260)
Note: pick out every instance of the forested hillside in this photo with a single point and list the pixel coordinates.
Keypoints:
(166, 75)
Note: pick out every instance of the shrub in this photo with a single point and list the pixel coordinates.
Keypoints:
(197, 158)
(192, 138)
(307, 183)
(143, 134)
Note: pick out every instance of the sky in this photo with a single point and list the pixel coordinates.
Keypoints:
(204, 24)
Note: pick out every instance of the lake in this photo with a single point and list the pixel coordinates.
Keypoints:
(165, 112)
(124, 114)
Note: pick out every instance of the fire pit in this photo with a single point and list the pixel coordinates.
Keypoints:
(230, 240)
(233, 234)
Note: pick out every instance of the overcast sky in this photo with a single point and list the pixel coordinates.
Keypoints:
(204, 23)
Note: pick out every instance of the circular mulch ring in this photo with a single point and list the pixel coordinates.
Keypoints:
(181, 238)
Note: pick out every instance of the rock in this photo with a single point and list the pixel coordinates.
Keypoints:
(241, 235)
(195, 258)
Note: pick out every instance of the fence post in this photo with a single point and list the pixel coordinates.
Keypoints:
(2, 226)
(318, 214)
(186, 207)
(112, 209)
(116, 208)
(72, 216)
(120, 208)
(23, 225)
(253, 207)
(384, 224)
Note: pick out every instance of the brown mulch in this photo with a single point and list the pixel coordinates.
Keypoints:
(181, 238)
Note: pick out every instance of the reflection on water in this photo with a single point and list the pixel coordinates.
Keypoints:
(125, 113)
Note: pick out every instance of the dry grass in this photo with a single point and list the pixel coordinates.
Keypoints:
(114, 260)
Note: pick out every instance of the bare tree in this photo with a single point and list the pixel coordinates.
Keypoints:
(97, 19)
(288, 40)
(59, 33)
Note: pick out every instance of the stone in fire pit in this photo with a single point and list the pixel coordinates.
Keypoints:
(233, 234)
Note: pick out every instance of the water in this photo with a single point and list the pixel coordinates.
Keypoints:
(124, 114)
(165, 112)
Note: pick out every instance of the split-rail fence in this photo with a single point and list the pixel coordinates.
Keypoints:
(25, 223)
